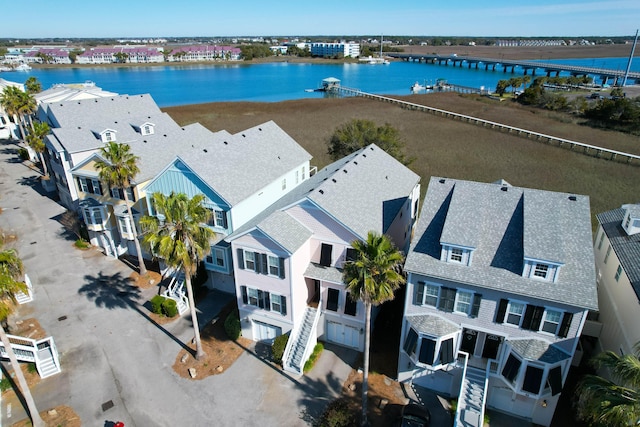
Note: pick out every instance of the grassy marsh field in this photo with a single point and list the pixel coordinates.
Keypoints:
(444, 147)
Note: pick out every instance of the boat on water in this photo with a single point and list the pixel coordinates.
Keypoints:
(417, 87)
(374, 60)
(23, 67)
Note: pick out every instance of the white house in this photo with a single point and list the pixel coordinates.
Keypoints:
(288, 259)
(617, 254)
(500, 282)
(345, 49)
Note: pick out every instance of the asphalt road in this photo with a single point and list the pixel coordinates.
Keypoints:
(116, 363)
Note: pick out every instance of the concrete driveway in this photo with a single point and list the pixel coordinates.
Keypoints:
(116, 363)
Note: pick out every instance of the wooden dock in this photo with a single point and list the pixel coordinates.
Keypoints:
(589, 150)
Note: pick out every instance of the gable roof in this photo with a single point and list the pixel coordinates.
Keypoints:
(343, 190)
(508, 224)
(627, 248)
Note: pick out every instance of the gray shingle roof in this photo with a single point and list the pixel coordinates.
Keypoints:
(327, 274)
(432, 325)
(626, 248)
(505, 228)
(534, 349)
(348, 196)
(285, 230)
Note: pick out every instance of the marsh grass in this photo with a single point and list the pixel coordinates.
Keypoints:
(450, 148)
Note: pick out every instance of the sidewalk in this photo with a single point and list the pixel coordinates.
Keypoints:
(116, 364)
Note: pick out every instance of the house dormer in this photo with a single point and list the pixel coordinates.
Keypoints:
(456, 254)
(146, 128)
(108, 135)
(541, 270)
(631, 220)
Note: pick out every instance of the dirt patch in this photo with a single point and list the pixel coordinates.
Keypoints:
(221, 352)
(29, 328)
(151, 279)
(60, 416)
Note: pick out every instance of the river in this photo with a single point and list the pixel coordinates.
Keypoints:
(271, 82)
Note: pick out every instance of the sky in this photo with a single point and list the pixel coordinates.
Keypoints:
(171, 18)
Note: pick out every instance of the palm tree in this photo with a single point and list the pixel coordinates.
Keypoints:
(372, 278)
(118, 169)
(32, 85)
(612, 403)
(10, 270)
(26, 104)
(10, 101)
(181, 239)
(35, 139)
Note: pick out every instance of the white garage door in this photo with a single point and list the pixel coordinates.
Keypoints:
(265, 332)
(338, 333)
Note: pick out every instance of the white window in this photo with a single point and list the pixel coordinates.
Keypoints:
(115, 193)
(277, 304)
(274, 265)
(93, 216)
(219, 217)
(456, 255)
(431, 294)
(249, 260)
(84, 187)
(551, 321)
(515, 310)
(147, 130)
(601, 239)
(303, 174)
(627, 222)
(109, 136)
(253, 296)
(541, 271)
(219, 257)
(123, 225)
(606, 257)
(297, 177)
(463, 302)
(284, 184)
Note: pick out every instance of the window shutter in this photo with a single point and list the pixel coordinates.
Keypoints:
(120, 193)
(447, 299)
(565, 325)
(240, 259)
(79, 184)
(419, 296)
(263, 261)
(225, 224)
(260, 299)
(89, 185)
(502, 309)
(477, 298)
(281, 267)
(133, 194)
(537, 318)
(325, 254)
(267, 301)
(283, 304)
(446, 351)
(528, 316)
(243, 290)
(427, 351)
(99, 188)
(257, 262)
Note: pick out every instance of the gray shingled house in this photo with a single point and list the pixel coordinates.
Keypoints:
(500, 281)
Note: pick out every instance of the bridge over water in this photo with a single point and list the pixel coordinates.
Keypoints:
(510, 65)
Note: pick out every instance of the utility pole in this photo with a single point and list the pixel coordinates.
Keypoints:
(633, 48)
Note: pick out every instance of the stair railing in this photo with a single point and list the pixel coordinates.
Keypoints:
(465, 357)
(26, 350)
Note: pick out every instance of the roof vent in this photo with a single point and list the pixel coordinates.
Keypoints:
(573, 198)
(225, 143)
(260, 129)
(115, 121)
(279, 158)
(333, 179)
(321, 191)
(244, 136)
(205, 150)
(504, 188)
(165, 135)
(386, 177)
(364, 155)
(371, 148)
(78, 102)
(355, 163)
(95, 100)
(344, 170)
(145, 141)
(442, 181)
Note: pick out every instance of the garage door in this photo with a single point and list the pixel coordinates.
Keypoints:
(265, 332)
(346, 335)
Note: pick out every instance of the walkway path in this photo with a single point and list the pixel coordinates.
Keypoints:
(116, 364)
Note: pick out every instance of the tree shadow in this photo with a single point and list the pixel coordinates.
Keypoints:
(14, 386)
(12, 151)
(116, 292)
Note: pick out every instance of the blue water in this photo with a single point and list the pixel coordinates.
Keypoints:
(184, 84)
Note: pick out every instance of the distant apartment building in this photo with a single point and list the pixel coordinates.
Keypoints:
(529, 43)
(345, 49)
(203, 53)
(48, 56)
(132, 54)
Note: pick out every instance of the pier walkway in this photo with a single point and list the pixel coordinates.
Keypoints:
(590, 150)
(510, 65)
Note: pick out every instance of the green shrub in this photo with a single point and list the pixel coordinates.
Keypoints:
(278, 346)
(5, 384)
(23, 153)
(81, 244)
(232, 325)
(31, 368)
(308, 365)
(170, 307)
(337, 414)
(156, 304)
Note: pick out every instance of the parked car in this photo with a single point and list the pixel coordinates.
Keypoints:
(414, 415)
(596, 96)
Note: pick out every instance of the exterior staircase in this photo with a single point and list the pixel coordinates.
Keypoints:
(41, 352)
(177, 292)
(301, 342)
(22, 297)
(470, 411)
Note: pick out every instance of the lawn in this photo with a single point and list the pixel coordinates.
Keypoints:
(449, 148)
